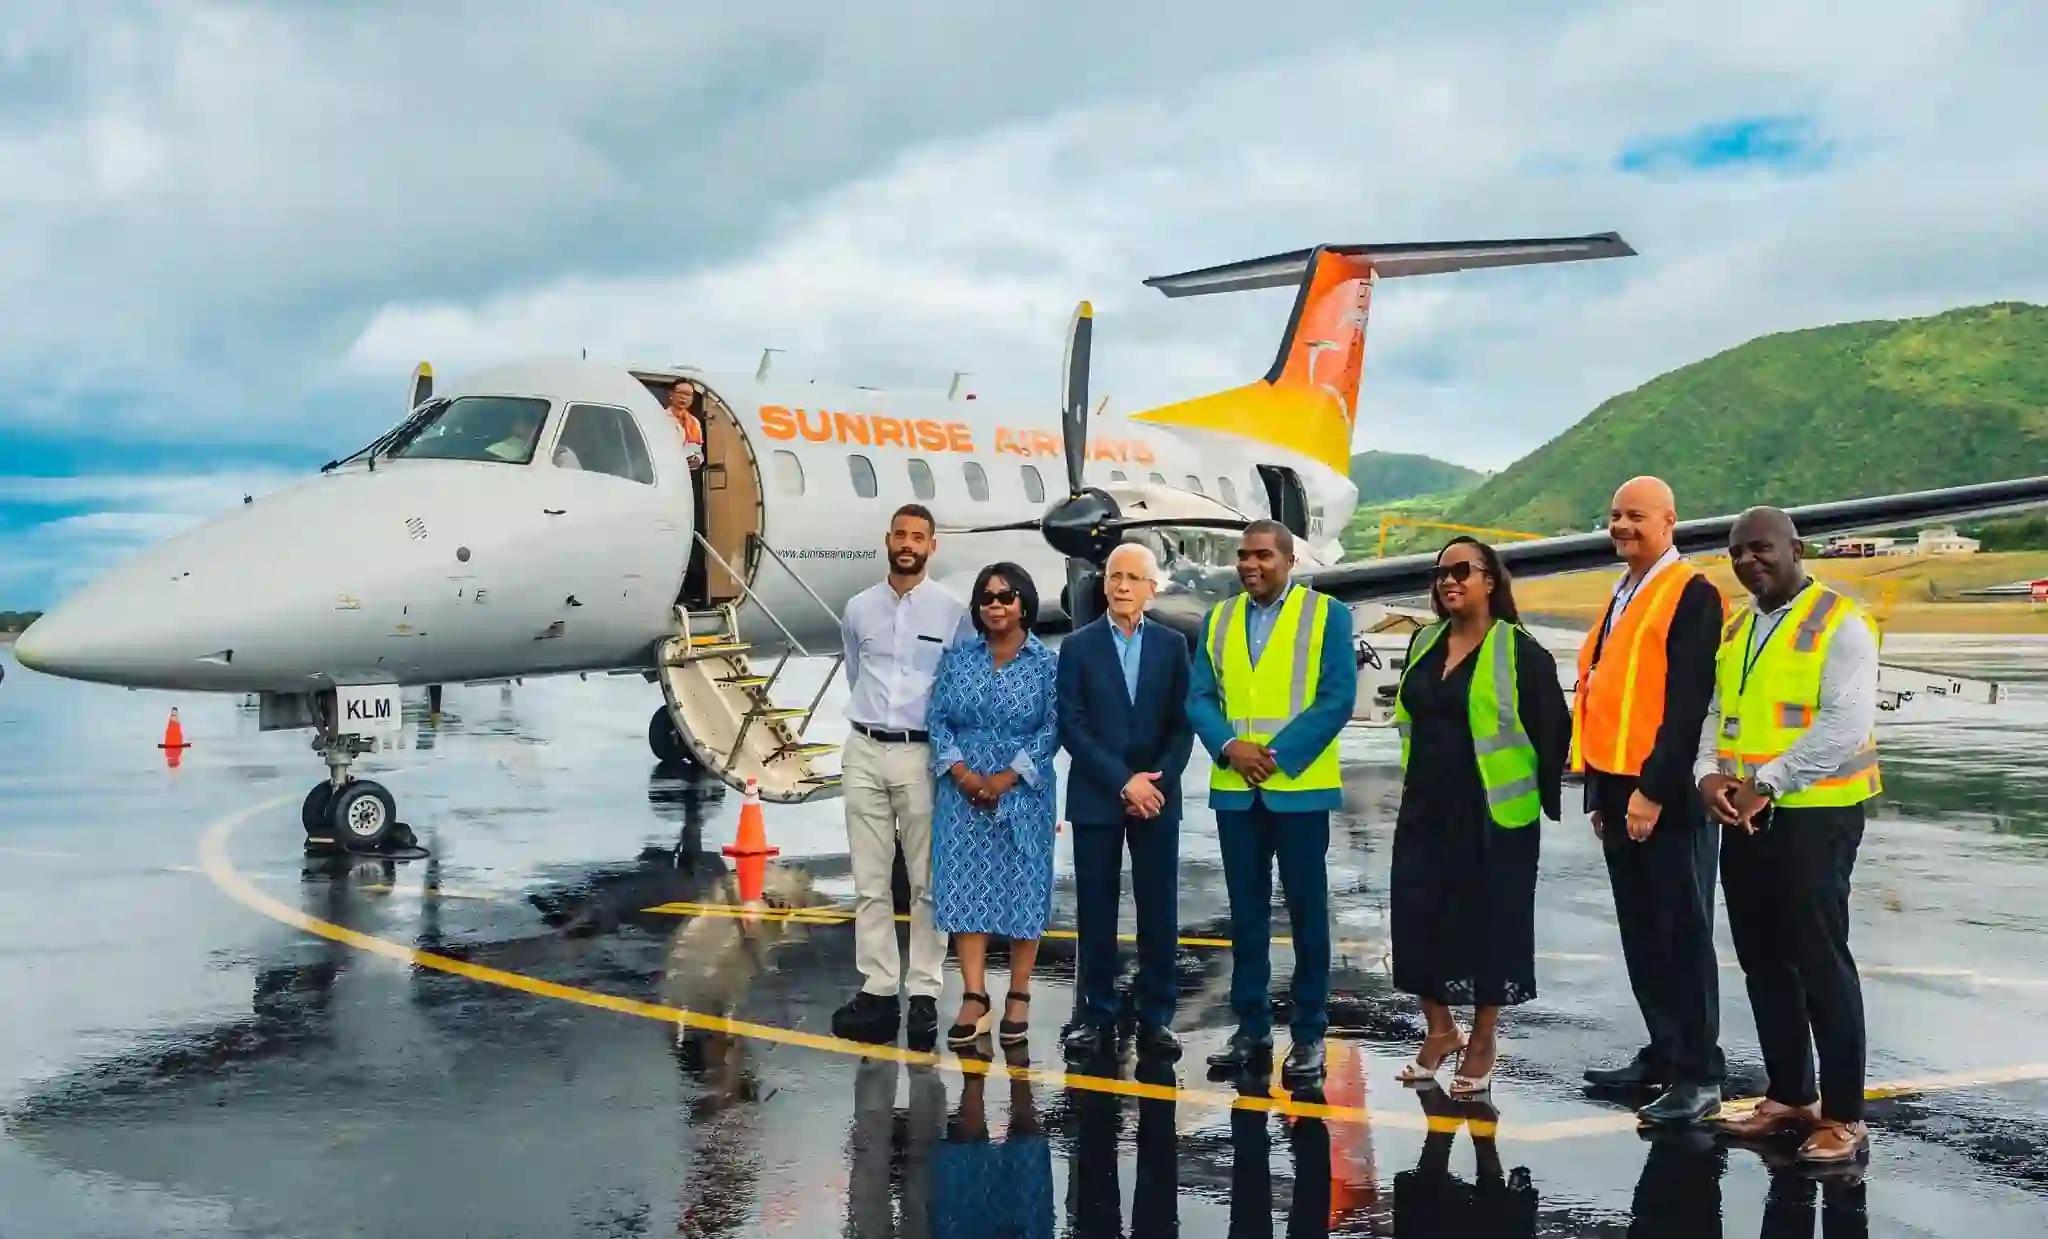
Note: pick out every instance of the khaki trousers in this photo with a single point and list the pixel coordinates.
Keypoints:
(888, 792)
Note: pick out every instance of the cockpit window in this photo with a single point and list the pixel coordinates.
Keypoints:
(500, 429)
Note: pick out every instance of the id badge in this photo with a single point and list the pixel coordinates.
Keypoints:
(1731, 728)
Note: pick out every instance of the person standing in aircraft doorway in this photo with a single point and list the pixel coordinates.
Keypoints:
(682, 401)
(895, 633)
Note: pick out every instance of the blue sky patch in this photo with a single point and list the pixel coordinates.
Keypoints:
(1782, 143)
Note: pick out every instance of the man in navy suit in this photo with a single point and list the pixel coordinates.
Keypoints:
(1123, 687)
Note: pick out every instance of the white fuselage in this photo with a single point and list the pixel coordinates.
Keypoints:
(427, 571)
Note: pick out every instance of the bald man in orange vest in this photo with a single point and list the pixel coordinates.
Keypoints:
(1646, 682)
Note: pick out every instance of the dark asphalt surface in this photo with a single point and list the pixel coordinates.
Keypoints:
(175, 1062)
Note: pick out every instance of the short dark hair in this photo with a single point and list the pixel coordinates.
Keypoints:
(1020, 580)
(1282, 536)
(918, 510)
(1500, 596)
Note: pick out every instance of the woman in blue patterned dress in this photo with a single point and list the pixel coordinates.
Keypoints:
(994, 730)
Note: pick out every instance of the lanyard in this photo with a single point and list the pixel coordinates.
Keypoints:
(1757, 644)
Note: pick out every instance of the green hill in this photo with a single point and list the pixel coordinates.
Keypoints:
(1802, 417)
(17, 621)
(1383, 477)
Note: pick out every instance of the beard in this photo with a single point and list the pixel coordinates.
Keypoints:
(914, 565)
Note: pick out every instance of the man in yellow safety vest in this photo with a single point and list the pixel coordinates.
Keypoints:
(1787, 761)
(1271, 686)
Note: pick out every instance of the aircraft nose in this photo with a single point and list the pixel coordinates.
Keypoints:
(32, 649)
(87, 639)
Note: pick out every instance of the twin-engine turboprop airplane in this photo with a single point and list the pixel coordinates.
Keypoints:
(543, 518)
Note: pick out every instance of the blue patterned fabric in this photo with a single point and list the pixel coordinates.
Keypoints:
(992, 869)
(993, 1190)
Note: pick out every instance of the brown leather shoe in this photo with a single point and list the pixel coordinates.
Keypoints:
(1771, 1118)
(1835, 1142)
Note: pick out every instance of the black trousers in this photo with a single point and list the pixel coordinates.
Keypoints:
(1788, 911)
(1098, 875)
(1664, 900)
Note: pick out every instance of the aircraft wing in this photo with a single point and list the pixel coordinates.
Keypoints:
(1403, 575)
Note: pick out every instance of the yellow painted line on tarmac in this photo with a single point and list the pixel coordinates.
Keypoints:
(220, 870)
(833, 914)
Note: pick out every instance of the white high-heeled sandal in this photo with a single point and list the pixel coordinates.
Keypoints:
(1415, 1073)
(1463, 1085)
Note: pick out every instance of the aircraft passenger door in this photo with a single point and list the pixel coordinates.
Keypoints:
(1285, 498)
(732, 502)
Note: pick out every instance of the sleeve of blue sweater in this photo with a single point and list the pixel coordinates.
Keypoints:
(1304, 739)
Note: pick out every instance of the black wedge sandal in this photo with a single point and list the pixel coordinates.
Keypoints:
(1013, 1032)
(965, 1034)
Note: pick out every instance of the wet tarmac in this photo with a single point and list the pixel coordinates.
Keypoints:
(549, 1028)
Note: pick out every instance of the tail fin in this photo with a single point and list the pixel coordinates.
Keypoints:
(1308, 401)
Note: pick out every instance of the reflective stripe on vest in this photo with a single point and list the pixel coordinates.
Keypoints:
(1261, 699)
(1507, 758)
(1763, 719)
(1618, 705)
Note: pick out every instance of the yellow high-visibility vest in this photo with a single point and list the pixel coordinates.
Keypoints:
(1507, 757)
(1261, 700)
(1765, 712)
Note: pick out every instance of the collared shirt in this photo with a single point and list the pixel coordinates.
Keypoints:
(1624, 593)
(893, 644)
(1259, 619)
(1129, 653)
(1842, 719)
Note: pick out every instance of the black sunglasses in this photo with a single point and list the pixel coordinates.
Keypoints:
(1459, 572)
(998, 597)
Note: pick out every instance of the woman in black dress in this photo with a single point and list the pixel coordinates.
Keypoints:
(1464, 870)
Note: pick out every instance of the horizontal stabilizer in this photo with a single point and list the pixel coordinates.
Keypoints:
(1390, 261)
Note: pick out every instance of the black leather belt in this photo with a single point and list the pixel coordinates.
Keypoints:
(893, 737)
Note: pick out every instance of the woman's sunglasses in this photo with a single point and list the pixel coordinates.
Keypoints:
(1460, 572)
(998, 597)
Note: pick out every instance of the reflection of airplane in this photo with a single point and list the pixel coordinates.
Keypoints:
(540, 519)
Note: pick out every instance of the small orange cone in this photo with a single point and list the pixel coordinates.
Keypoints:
(174, 734)
(751, 849)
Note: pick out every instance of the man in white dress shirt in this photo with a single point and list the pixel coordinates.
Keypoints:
(895, 632)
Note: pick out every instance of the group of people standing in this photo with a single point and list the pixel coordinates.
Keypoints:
(957, 715)
(1703, 739)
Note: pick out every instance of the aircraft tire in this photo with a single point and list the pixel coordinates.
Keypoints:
(313, 815)
(663, 739)
(363, 815)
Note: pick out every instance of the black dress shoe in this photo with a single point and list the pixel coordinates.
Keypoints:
(1641, 1072)
(1304, 1061)
(1241, 1051)
(1085, 1042)
(923, 1020)
(869, 1017)
(1683, 1104)
(1157, 1041)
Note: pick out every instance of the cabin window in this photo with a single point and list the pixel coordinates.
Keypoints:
(863, 471)
(1117, 475)
(789, 473)
(977, 482)
(1158, 477)
(495, 429)
(1194, 483)
(600, 438)
(921, 483)
(1034, 486)
(1229, 492)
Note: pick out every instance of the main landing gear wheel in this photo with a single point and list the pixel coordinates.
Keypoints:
(667, 743)
(363, 815)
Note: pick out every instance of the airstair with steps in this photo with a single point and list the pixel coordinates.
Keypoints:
(723, 706)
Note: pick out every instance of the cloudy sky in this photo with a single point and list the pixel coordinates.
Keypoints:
(227, 231)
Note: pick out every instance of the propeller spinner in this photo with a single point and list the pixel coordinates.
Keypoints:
(1087, 523)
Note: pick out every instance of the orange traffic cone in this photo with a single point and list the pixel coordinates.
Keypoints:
(751, 849)
(174, 734)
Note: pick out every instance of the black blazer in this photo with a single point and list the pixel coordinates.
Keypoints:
(1111, 738)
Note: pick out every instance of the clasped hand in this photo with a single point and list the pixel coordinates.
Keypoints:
(1253, 761)
(1732, 801)
(1142, 797)
(983, 790)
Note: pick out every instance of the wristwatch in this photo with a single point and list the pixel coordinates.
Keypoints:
(1769, 792)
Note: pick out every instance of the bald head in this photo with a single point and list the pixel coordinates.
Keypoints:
(1642, 521)
(1765, 552)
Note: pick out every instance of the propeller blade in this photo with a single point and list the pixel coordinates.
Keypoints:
(1074, 393)
(1025, 526)
(1184, 522)
(422, 385)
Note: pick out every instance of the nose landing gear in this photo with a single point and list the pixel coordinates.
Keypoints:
(342, 812)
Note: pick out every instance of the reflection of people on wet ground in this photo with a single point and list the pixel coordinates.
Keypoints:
(1094, 1196)
(1431, 1203)
(881, 1140)
(894, 633)
(713, 959)
(1787, 760)
(1269, 704)
(1484, 733)
(986, 1187)
(724, 1118)
(995, 730)
(1678, 1194)
(1123, 683)
(1789, 1209)
(1646, 679)
(1251, 1170)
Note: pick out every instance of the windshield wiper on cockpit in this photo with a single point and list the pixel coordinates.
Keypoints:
(396, 438)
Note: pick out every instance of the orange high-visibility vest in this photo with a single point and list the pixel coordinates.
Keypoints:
(1618, 705)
